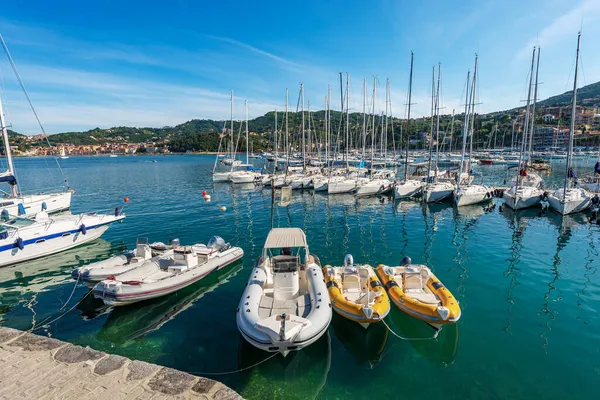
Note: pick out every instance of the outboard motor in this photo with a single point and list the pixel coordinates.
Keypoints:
(174, 242)
(217, 243)
(405, 261)
(348, 260)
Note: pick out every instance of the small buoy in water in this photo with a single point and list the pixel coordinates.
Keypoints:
(204, 193)
(223, 208)
(207, 197)
(126, 199)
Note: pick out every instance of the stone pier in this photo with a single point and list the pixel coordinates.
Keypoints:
(38, 367)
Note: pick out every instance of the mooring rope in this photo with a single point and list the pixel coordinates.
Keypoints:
(237, 370)
(437, 332)
(46, 323)
(73, 291)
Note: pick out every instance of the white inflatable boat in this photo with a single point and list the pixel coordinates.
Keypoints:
(285, 306)
(101, 270)
(160, 276)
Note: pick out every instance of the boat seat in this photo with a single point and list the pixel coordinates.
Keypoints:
(413, 281)
(423, 297)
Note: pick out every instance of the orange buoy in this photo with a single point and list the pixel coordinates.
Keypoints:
(204, 193)
(126, 199)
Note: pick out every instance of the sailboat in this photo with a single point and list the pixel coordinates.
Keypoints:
(63, 154)
(526, 191)
(408, 187)
(15, 203)
(251, 174)
(436, 190)
(571, 199)
(223, 176)
(469, 193)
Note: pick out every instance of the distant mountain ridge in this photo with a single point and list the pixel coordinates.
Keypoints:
(586, 94)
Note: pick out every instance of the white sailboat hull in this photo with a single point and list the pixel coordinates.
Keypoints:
(344, 186)
(576, 200)
(525, 197)
(471, 194)
(437, 192)
(33, 204)
(374, 187)
(221, 176)
(244, 177)
(408, 188)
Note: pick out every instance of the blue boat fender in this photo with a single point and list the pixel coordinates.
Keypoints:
(4, 215)
(19, 243)
(44, 206)
(21, 209)
(83, 229)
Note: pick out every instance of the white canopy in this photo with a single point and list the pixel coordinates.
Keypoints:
(285, 237)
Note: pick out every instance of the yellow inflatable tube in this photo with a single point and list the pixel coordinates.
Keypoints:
(433, 303)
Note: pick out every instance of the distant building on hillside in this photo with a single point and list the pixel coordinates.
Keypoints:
(548, 117)
(549, 136)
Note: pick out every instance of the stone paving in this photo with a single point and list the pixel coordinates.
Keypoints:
(38, 367)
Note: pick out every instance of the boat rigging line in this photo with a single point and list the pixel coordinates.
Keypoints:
(435, 335)
(235, 371)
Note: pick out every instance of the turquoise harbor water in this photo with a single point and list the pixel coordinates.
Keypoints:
(528, 285)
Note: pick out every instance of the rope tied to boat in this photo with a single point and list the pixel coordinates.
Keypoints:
(72, 291)
(435, 335)
(45, 321)
(237, 370)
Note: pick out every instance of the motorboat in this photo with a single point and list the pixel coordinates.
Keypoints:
(415, 290)
(356, 292)
(285, 305)
(121, 263)
(176, 268)
(471, 194)
(437, 191)
(164, 275)
(23, 239)
(569, 200)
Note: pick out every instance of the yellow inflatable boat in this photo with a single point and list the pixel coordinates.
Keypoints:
(415, 290)
(356, 293)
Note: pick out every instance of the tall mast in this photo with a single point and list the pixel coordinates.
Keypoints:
(373, 126)
(465, 130)
(276, 145)
(572, 127)
(309, 140)
(437, 122)
(452, 129)
(14, 190)
(231, 111)
(384, 134)
(364, 130)
(412, 56)
(473, 95)
(246, 109)
(523, 163)
(431, 133)
(328, 128)
(347, 116)
(535, 93)
(303, 138)
(287, 139)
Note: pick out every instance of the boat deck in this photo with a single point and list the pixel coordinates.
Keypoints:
(299, 306)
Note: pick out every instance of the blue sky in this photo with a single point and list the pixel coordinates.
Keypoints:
(144, 63)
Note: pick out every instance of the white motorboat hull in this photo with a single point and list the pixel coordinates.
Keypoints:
(436, 192)
(525, 197)
(472, 194)
(52, 237)
(407, 189)
(374, 187)
(120, 293)
(576, 200)
(33, 204)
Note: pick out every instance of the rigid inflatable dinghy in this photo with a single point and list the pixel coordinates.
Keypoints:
(356, 293)
(285, 306)
(99, 271)
(415, 290)
(160, 276)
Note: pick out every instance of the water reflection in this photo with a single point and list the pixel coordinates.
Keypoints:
(300, 375)
(366, 346)
(441, 350)
(137, 320)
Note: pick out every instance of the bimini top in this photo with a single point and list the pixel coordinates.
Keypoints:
(285, 237)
